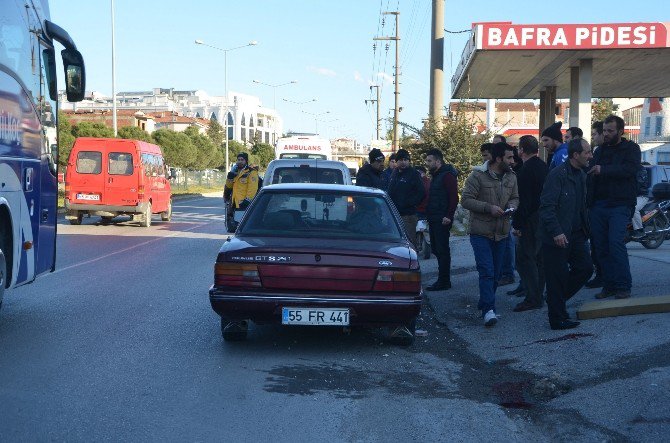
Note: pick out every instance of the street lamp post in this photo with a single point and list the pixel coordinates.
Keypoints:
(274, 103)
(225, 81)
(316, 119)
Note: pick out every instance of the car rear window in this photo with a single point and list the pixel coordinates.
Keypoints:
(120, 163)
(89, 162)
(297, 174)
(321, 215)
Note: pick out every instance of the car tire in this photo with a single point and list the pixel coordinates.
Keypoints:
(167, 215)
(3, 273)
(146, 217)
(233, 330)
(77, 221)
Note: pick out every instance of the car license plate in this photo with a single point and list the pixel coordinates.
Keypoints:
(88, 197)
(315, 316)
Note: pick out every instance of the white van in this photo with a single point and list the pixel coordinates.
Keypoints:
(306, 171)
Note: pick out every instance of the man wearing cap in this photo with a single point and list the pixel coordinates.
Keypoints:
(242, 183)
(406, 190)
(551, 139)
(370, 174)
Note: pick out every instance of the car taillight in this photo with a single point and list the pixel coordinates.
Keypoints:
(236, 274)
(140, 192)
(398, 281)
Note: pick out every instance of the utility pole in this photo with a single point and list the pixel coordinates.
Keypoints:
(378, 125)
(437, 63)
(396, 38)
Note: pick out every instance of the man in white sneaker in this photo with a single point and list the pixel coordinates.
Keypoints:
(489, 191)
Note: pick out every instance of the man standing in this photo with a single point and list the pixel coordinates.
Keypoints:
(612, 198)
(386, 175)
(442, 202)
(370, 174)
(489, 190)
(485, 151)
(596, 141)
(551, 139)
(526, 224)
(563, 218)
(242, 183)
(406, 190)
(561, 153)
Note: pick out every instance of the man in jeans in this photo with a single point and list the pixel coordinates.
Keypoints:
(564, 225)
(526, 224)
(488, 192)
(612, 199)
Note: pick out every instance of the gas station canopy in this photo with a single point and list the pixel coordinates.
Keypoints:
(507, 61)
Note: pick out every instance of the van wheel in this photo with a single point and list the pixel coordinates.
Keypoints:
(3, 274)
(146, 217)
(167, 215)
(77, 221)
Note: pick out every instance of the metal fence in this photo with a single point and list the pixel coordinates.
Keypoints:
(210, 179)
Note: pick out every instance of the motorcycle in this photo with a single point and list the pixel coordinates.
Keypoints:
(655, 223)
(422, 239)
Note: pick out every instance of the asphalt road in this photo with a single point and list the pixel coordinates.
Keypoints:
(120, 343)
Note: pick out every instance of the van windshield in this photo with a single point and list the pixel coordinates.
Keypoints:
(298, 174)
(89, 162)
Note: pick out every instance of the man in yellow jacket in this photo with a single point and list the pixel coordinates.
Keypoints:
(242, 183)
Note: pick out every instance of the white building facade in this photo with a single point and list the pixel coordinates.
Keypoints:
(655, 131)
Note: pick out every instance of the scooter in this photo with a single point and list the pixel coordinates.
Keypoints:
(655, 223)
(422, 239)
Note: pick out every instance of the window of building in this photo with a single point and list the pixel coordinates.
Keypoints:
(243, 121)
(647, 126)
(251, 121)
(659, 125)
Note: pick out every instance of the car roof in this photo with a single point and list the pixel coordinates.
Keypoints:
(322, 187)
(306, 161)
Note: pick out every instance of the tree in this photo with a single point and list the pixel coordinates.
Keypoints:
(177, 147)
(65, 138)
(92, 129)
(134, 133)
(207, 154)
(263, 153)
(215, 132)
(601, 108)
(457, 138)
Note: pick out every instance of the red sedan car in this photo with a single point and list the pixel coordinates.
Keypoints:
(318, 254)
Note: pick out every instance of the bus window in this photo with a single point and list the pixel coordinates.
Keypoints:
(89, 162)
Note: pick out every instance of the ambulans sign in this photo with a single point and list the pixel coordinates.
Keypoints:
(505, 36)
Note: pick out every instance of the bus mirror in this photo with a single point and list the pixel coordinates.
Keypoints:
(75, 74)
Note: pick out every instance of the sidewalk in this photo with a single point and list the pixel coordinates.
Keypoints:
(609, 358)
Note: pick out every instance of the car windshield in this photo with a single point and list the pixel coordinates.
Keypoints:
(318, 214)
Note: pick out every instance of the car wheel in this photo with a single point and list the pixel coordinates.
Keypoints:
(403, 335)
(234, 330)
(146, 217)
(167, 215)
(3, 274)
(77, 221)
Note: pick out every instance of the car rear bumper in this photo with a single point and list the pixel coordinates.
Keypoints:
(94, 209)
(266, 307)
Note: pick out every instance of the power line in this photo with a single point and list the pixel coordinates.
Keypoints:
(457, 32)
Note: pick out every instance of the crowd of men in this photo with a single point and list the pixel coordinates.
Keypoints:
(553, 221)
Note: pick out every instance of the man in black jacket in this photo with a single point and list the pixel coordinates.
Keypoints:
(526, 224)
(564, 227)
(612, 199)
(370, 174)
(406, 190)
(440, 209)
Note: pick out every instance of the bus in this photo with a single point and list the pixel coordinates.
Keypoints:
(28, 137)
(303, 147)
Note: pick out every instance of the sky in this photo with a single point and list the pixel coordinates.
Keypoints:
(325, 46)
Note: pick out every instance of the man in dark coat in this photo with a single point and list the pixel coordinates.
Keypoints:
(612, 198)
(406, 190)
(564, 225)
(526, 224)
(442, 202)
(370, 175)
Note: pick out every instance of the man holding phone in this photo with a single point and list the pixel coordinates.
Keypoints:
(564, 231)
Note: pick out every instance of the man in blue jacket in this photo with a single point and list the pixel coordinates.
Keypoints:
(407, 191)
